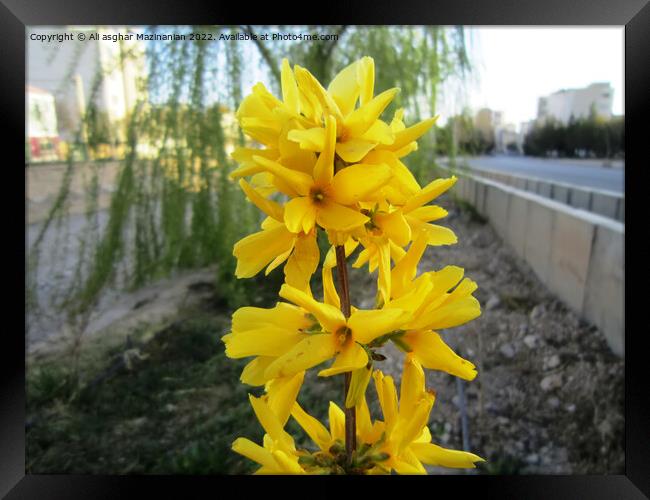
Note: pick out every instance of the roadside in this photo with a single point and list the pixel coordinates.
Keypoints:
(160, 396)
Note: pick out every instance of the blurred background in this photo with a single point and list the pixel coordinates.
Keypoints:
(130, 223)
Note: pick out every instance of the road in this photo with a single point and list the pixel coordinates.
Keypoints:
(585, 174)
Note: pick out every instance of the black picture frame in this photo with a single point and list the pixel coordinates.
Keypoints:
(15, 15)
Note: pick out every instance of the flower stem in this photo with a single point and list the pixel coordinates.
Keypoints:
(350, 413)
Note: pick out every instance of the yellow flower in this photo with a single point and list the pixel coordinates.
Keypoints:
(278, 454)
(324, 197)
(288, 339)
(436, 300)
(358, 130)
(401, 441)
(407, 438)
(340, 338)
(275, 244)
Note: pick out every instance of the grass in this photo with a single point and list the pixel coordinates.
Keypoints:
(176, 410)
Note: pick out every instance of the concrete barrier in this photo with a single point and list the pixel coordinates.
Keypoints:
(607, 203)
(578, 255)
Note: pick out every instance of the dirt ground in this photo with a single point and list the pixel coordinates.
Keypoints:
(548, 398)
(549, 395)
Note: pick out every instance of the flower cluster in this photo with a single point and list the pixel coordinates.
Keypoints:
(329, 163)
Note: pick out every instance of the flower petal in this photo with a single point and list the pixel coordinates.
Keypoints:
(303, 263)
(405, 270)
(300, 215)
(324, 168)
(337, 422)
(311, 351)
(253, 373)
(432, 454)
(262, 341)
(298, 181)
(270, 422)
(311, 139)
(387, 396)
(289, 88)
(362, 118)
(269, 207)
(412, 387)
(410, 134)
(359, 183)
(352, 356)
(368, 325)
(312, 426)
(394, 226)
(331, 215)
(255, 452)
(282, 393)
(328, 316)
(353, 150)
(358, 384)
(344, 88)
(428, 213)
(432, 352)
(257, 250)
(429, 192)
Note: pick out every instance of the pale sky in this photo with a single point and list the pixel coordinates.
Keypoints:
(514, 66)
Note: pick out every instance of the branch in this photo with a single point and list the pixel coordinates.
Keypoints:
(330, 47)
(266, 54)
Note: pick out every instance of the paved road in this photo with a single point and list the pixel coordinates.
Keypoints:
(575, 172)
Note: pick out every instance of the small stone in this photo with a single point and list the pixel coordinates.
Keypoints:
(605, 427)
(507, 351)
(551, 362)
(571, 408)
(530, 341)
(492, 303)
(503, 420)
(537, 312)
(532, 459)
(551, 382)
(553, 402)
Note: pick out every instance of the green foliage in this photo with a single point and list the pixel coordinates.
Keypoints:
(583, 137)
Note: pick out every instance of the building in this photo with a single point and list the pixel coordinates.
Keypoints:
(507, 139)
(486, 122)
(576, 103)
(41, 127)
(74, 72)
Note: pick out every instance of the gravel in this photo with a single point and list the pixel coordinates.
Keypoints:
(548, 398)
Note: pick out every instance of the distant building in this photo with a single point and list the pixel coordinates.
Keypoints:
(507, 139)
(41, 127)
(486, 121)
(576, 103)
(72, 70)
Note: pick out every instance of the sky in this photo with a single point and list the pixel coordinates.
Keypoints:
(517, 65)
(513, 67)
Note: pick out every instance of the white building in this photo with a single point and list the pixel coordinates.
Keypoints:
(70, 69)
(507, 139)
(41, 130)
(565, 103)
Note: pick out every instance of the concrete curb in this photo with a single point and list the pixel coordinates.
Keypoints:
(578, 255)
